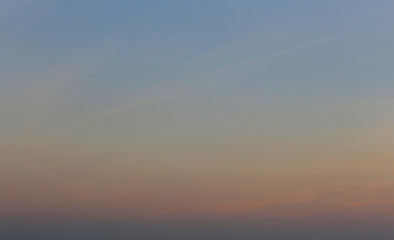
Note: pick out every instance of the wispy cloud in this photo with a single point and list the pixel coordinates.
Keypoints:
(273, 55)
(40, 94)
(129, 106)
(194, 89)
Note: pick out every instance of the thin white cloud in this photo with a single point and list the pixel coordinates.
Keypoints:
(38, 95)
(214, 72)
(273, 55)
(137, 104)
(130, 106)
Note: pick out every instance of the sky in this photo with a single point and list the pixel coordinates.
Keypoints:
(221, 119)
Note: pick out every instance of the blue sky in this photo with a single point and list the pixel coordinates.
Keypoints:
(67, 62)
(135, 44)
(162, 109)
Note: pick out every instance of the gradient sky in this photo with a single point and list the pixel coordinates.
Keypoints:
(179, 109)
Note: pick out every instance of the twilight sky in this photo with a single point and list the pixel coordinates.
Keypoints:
(163, 110)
